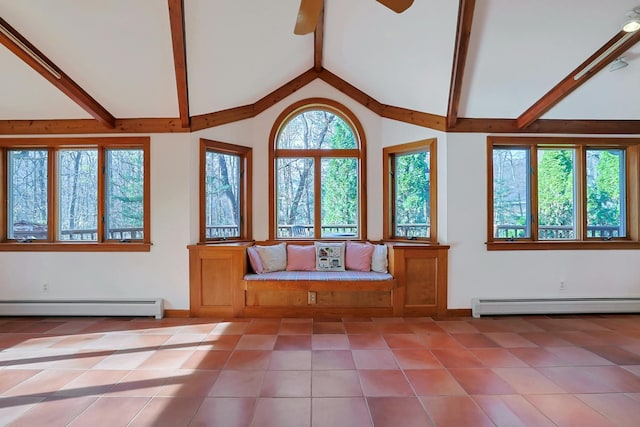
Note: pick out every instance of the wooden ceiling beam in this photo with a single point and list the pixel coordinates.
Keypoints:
(26, 51)
(176, 21)
(555, 126)
(84, 126)
(611, 50)
(209, 120)
(318, 42)
(463, 35)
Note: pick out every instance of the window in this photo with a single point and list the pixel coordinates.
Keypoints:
(317, 170)
(551, 190)
(409, 182)
(225, 171)
(85, 191)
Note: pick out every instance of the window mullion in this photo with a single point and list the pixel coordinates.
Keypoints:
(581, 192)
(52, 205)
(101, 194)
(533, 188)
(317, 190)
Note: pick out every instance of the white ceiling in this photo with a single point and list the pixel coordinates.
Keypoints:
(120, 52)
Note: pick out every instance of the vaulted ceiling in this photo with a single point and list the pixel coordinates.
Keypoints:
(181, 65)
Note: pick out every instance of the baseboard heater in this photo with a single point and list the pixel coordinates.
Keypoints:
(482, 306)
(83, 307)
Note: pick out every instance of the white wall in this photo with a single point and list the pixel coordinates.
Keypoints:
(475, 272)
(164, 271)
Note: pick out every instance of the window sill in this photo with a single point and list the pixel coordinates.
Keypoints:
(75, 247)
(565, 245)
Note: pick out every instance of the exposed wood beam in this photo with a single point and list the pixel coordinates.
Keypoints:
(81, 126)
(414, 117)
(626, 127)
(387, 111)
(26, 51)
(615, 47)
(204, 121)
(285, 90)
(176, 20)
(210, 120)
(463, 35)
(318, 41)
(351, 91)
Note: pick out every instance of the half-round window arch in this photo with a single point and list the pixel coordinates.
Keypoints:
(317, 173)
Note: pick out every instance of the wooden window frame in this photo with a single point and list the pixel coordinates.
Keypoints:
(631, 146)
(388, 186)
(245, 155)
(53, 145)
(358, 153)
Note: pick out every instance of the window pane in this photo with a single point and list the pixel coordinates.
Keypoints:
(27, 200)
(222, 195)
(412, 195)
(606, 193)
(295, 198)
(316, 129)
(125, 194)
(339, 204)
(511, 206)
(556, 197)
(78, 194)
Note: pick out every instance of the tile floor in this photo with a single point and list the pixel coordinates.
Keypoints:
(513, 371)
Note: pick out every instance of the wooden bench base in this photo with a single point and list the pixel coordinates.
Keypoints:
(278, 298)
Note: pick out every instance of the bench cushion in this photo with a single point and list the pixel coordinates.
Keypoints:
(321, 275)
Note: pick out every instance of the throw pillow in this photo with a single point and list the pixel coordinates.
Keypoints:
(329, 256)
(274, 257)
(358, 256)
(379, 261)
(301, 258)
(254, 260)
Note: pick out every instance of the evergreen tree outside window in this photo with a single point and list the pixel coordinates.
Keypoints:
(409, 181)
(581, 188)
(317, 170)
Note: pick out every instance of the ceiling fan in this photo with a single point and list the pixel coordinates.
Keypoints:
(310, 13)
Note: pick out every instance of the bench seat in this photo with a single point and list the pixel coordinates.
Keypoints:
(354, 276)
(313, 293)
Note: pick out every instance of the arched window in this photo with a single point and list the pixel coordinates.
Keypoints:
(317, 171)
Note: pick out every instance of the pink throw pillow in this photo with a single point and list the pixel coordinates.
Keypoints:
(358, 256)
(301, 258)
(254, 260)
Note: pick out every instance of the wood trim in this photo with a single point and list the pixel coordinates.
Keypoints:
(210, 120)
(572, 245)
(351, 91)
(63, 82)
(110, 246)
(285, 90)
(84, 126)
(388, 193)
(146, 176)
(205, 121)
(471, 125)
(458, 312)
(345, 114)
(570, 83)
(246, 157)
(418, 118)
(463, 35)
(176, 21)
(176, 314)
(387, 111)
(318, 42)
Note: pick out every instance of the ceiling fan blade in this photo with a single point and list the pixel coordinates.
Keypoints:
(308, 16)
(397, 6)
